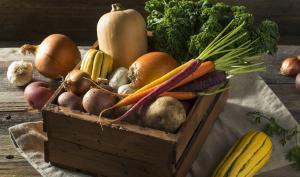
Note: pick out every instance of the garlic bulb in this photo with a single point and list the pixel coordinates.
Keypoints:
(19, 73)
(126, 89)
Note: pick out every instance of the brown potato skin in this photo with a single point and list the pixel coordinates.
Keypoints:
(95, 101)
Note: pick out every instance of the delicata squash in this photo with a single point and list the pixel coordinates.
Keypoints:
(246, 157)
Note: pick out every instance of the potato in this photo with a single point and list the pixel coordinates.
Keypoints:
(95, 101)
(70, 100)
(37, 94)
(165, 113)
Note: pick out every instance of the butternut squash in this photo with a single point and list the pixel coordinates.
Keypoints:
(122, 34)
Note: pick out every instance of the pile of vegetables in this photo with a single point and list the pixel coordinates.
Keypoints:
(198, 46)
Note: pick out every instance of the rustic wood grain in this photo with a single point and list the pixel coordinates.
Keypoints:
(200, 135)
(33, 20)
(155, 149)
(80, 157)
(197, 114)
(11, 162)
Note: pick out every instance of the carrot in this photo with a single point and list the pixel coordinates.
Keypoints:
(159, 90)
(202, 69)
(203, 83)
(165, 77)
(180, 95)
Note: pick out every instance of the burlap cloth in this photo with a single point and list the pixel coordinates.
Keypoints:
(247, 93)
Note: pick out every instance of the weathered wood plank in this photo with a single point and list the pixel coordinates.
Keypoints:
(33, 19)
(120, 142)
(196, 115)
(200, 135)
(80, 157)
(11, 162)
(273, 64)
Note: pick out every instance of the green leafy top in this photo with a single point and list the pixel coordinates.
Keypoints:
(184, 28)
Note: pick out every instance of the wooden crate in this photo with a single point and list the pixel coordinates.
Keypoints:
(76, 141)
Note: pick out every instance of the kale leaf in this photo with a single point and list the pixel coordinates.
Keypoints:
(184, 28)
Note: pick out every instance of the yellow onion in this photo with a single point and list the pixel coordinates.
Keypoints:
(290, 66)
(78, 82)
(55, 56)
(149, 67)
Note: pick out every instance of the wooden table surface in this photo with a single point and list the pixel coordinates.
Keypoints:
(15, 110)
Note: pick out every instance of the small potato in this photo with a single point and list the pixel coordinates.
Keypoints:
(165, 113)
(70, 100)
(38, 93)
(95, 101)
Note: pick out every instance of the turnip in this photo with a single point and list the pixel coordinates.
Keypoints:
(70, 100)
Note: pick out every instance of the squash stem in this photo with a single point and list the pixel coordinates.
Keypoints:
(116, 7)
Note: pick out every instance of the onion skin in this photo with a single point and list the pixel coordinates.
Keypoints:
(149, 67)
(290, 67)
(297, 82)
(77, 83)
(55, 56)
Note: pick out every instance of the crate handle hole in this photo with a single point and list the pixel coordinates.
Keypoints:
(9, 157)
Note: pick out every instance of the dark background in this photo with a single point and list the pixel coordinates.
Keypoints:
(33, 20)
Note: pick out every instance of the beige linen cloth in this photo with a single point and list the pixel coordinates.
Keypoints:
(247, 93)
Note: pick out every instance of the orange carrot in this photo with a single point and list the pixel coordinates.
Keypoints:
(180, 95)
(203, 69)
(165, 77)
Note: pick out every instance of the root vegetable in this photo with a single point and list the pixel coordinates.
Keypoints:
(150, 67)
(19, 73)
(55, 56)
(155, 92)
(78, 83)
(96, 100)
(166, 113)
(125, 89)
(290, 67)
(37, 94)
(203, 83)
(297, 82)
(70, 100)
(119, 78)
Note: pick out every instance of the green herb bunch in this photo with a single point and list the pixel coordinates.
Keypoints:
(272, 128)
(184, 28)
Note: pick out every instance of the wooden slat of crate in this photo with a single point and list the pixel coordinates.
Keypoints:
(196, 115)
(200, 136)
(99, 163)
(129, 141)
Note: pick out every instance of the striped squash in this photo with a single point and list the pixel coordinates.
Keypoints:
(246, 157)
